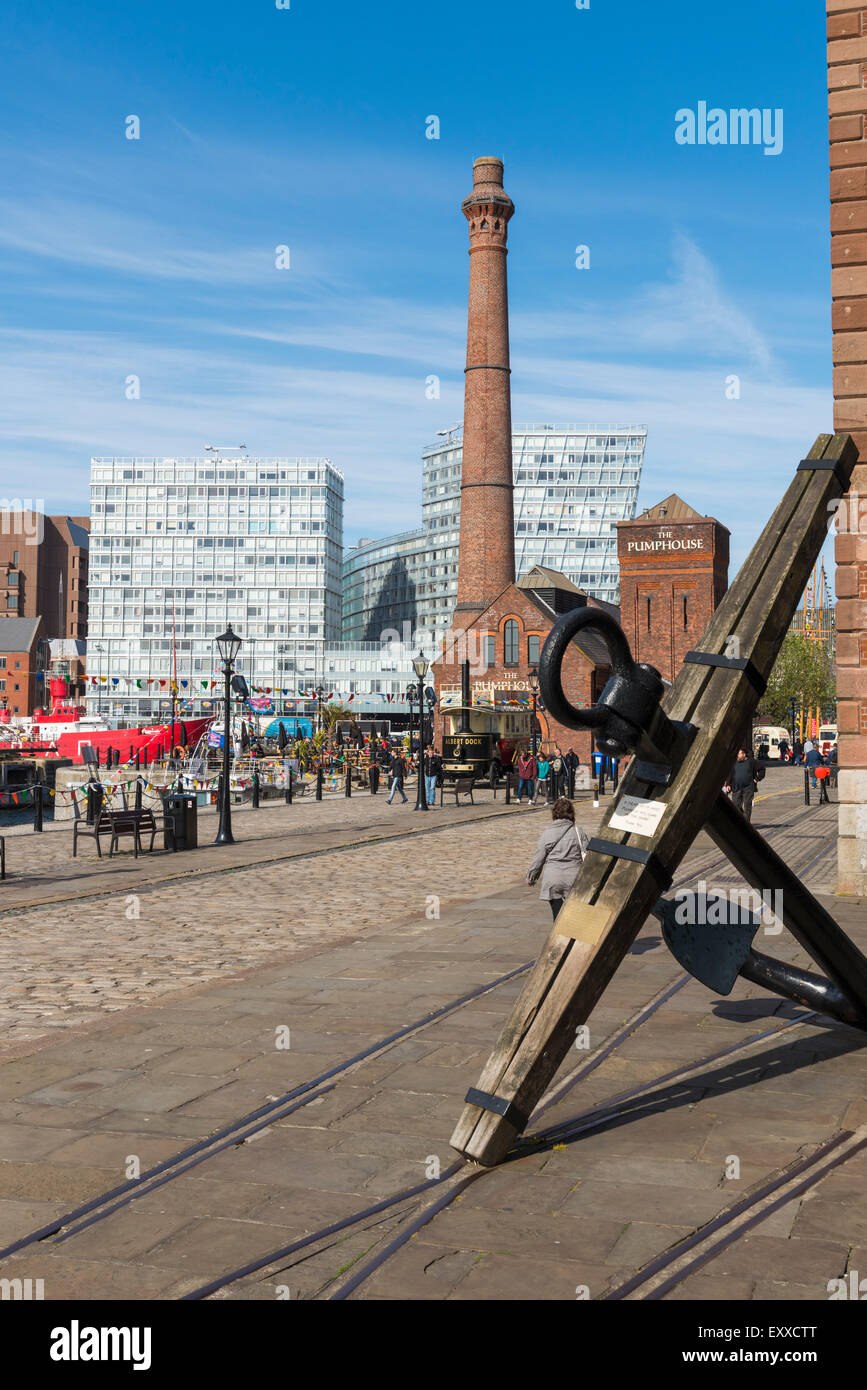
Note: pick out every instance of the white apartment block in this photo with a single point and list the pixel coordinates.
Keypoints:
(182, 546)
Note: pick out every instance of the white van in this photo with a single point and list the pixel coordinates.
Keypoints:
(826, 739)
(772, 737)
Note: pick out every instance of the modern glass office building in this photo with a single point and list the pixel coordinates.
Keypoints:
(572, 485)
(381, 580)
(182, 546)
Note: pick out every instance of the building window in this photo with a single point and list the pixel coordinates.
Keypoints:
(684, 611)
(648, 615)
(510, 643)
(490, 649)
(533, 646)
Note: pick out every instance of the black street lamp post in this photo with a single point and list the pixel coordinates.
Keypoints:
(420, 666)
(320, 691)
(534, 688)
(228, 645)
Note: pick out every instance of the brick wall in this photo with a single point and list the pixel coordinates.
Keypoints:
(667, 596)
(847, 106)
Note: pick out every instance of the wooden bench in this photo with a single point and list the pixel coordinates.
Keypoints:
(461, 786)
(117, 824)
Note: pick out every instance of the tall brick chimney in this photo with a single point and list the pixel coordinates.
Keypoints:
(847, 105)
(486, 563)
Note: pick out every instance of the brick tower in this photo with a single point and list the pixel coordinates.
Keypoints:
(673, 573)
(487, 539)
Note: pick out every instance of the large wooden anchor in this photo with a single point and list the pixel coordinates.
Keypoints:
(684, 741)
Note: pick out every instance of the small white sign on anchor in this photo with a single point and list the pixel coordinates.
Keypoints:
(637, 815)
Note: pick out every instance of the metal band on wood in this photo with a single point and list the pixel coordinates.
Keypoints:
(509, 1111)
(658, 773)
(730, 663)
(638, 856)
(828, 466)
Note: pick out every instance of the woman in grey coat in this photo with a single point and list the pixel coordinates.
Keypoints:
(559, 855)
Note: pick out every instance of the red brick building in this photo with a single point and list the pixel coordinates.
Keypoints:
(673, 573)
(44, 574)
(22, 654)
(503, 644)
(847, 108)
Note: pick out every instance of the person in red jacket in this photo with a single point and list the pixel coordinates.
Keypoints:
(527, 774)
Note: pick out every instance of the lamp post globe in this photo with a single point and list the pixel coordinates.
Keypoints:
(228, 645)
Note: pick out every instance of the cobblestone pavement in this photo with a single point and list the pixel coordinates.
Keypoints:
(74, 960)
(78, 1109)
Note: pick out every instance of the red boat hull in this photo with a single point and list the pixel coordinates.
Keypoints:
(154, 740)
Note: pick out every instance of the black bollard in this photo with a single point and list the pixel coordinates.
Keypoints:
(288, 789)
(374, 778)
(319, 779)
(549, 789)
(37, 806)
(348, 787)
(137, 764)
(255, 791)
(138, 791)
(601, 779)
(117, 757)
(495, 781)
(145, 752)
(571, 784)
(508, 786)
(94, 802)
(823, 791)
(109, 755)
(615, 773)
(806, 787)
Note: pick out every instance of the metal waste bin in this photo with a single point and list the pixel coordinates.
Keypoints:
(180, 820)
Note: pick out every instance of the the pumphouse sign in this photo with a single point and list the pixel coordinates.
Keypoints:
(666, 539)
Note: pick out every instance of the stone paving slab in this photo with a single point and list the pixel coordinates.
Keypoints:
(587, 1213)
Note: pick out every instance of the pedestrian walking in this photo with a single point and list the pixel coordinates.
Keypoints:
(396, 771)
(527, 774)
(559, 855)
(743, 781)
(433, 766)
(543, 767)
(812, 760)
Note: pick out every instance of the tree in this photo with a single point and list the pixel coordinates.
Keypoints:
(803, 672)
(331, 715)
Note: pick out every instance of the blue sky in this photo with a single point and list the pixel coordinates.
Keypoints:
(305, 127)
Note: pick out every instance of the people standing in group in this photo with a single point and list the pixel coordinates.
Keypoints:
(527, 769)
(573, 762)
(396, 772)
(543, 767)
(559, 855)
(433, 766)
(743, 781)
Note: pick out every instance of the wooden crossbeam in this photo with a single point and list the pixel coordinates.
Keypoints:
(696, 731)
